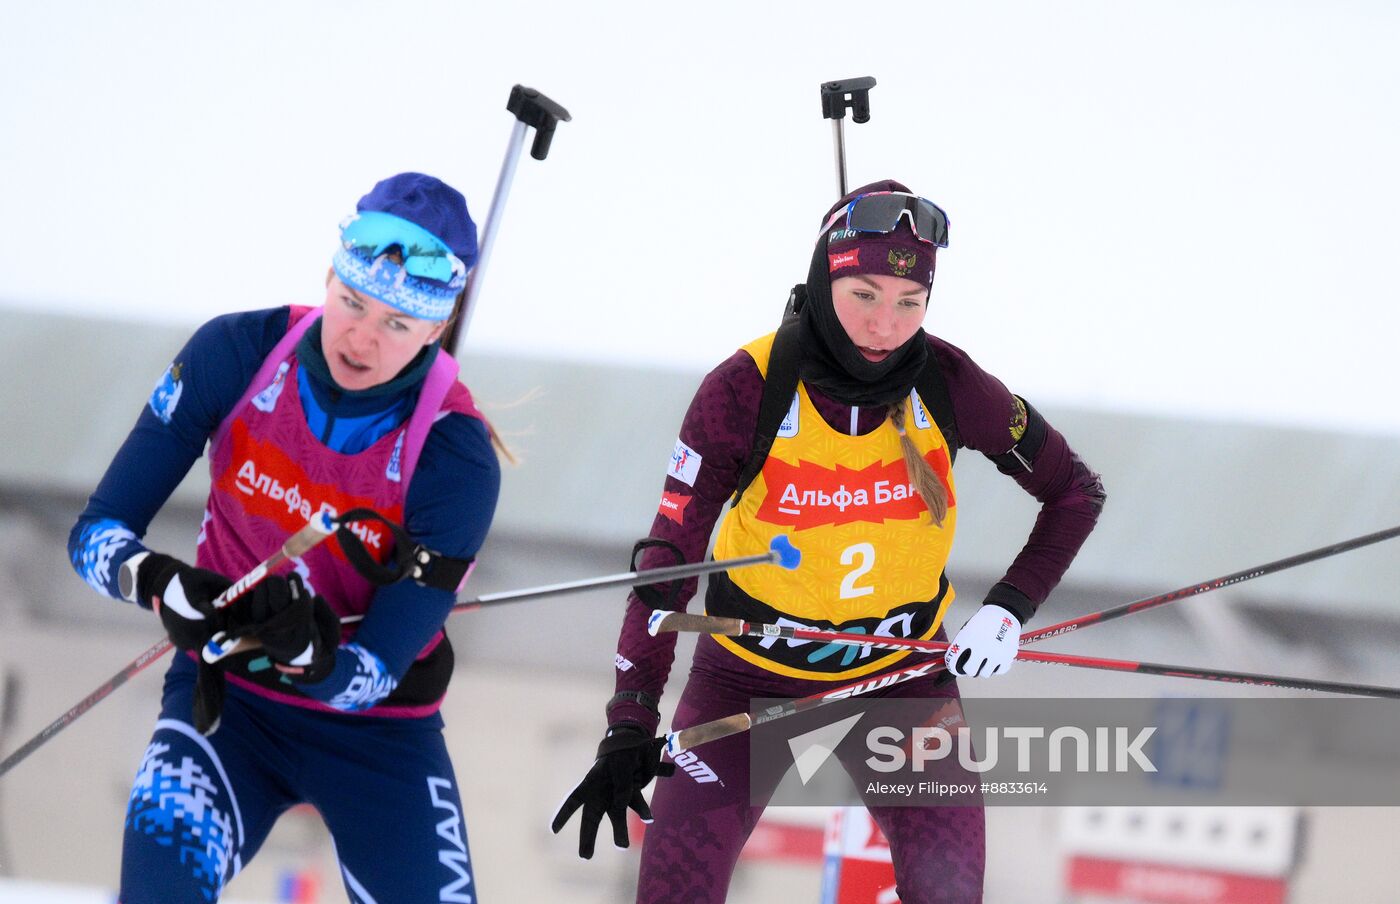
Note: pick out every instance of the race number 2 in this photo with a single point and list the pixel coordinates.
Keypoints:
(865, 553)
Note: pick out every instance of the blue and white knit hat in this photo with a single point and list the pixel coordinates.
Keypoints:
(429, 223)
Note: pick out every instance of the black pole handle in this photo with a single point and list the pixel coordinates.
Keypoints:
(852, 94)
(538, 111)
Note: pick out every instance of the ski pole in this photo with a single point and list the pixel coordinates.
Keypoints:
(1186, 671)
(837, 97)
(665, 621)
(682, 621)
(1152, 602)
(678, 741)
(319, 528)
(686, 738)
(662, 620)
(87, 703)
(532, 110)
(780, 552)
(298, 544)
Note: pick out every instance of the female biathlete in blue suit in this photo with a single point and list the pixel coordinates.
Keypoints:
(307, 410)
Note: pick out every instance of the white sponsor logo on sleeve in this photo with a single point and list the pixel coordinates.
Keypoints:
(685, 464)
(622, 662)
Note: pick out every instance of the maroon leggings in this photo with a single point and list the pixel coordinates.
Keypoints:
(705, 812)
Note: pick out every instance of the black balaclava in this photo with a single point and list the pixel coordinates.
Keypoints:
(830, 360)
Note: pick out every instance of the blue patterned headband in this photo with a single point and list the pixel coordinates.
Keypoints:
(428, 282)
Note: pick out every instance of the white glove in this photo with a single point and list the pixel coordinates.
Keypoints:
(986, 645)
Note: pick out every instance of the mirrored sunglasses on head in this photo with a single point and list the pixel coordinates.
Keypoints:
(372, 233)
(880, 212)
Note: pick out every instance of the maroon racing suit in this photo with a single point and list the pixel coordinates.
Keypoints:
(704, 813)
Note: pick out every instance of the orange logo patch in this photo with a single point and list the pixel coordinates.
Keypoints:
(808, 495)
(269, 484)
(673, 506)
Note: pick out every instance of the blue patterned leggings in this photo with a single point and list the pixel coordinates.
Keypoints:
(201, 807)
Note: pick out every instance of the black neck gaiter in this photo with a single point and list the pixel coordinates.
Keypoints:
(832, 363)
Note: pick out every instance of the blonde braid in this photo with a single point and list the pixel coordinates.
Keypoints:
(498, 443)
(921, 473)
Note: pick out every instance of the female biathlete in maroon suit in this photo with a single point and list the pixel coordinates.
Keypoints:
(859, 474)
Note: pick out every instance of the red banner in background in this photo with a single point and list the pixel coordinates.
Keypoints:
(1154, 883)
(858, 869)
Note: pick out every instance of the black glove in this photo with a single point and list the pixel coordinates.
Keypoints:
(297, 628)
(182, 594)
(627, 762)
(184, 597)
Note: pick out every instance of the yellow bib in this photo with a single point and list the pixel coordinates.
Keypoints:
(872, 560)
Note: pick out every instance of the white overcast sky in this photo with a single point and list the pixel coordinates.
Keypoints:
(1173, 207)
